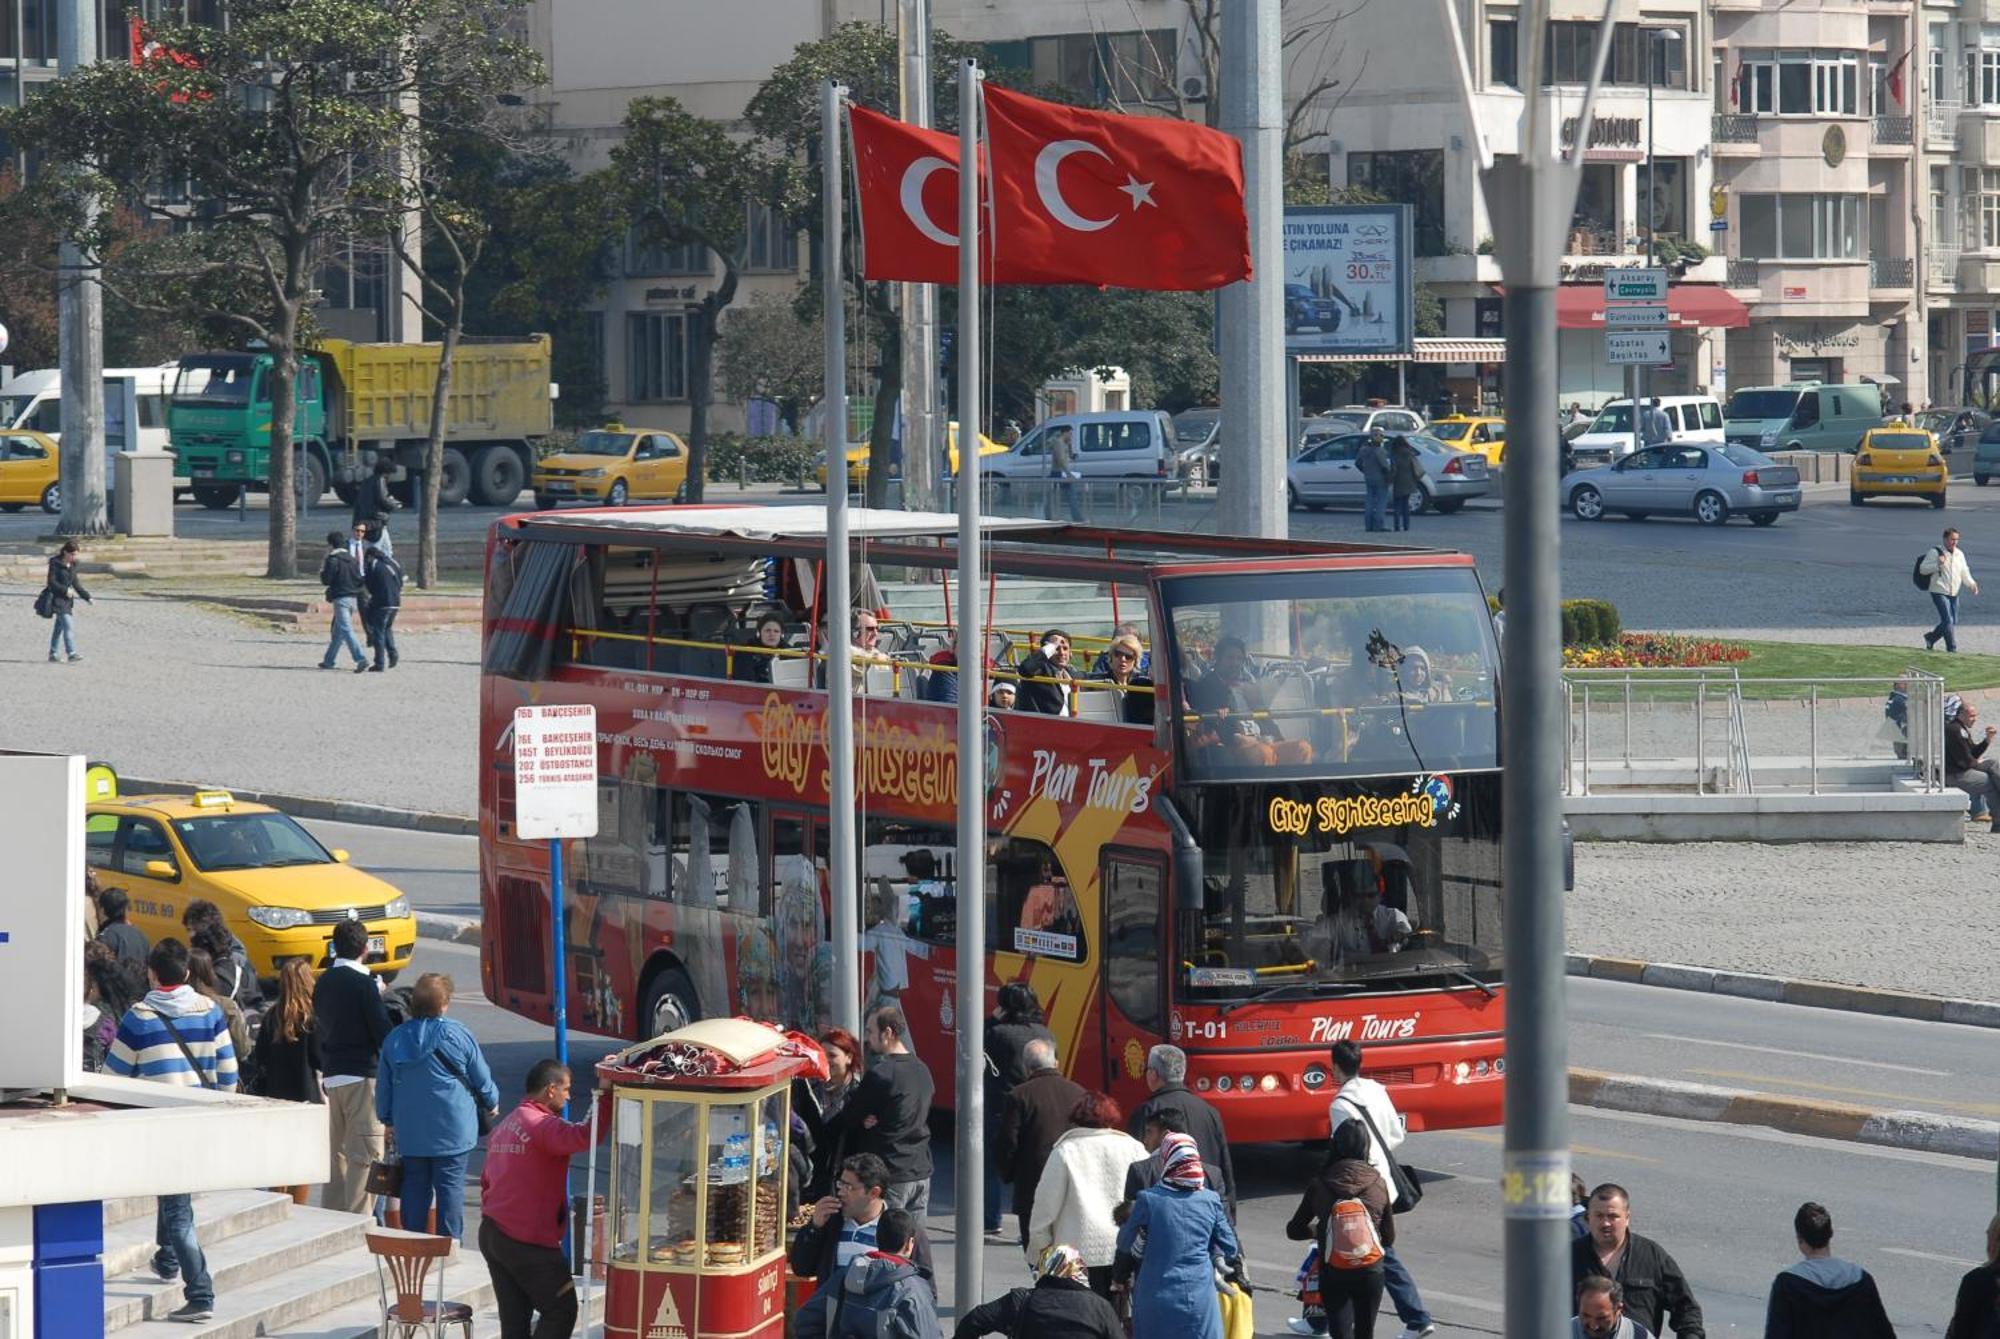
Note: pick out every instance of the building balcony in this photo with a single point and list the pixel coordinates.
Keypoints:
(1941, 126)
(1891, 272)
(1739, 273)
(1941, 267)
(1894, 131)
(1735, 128)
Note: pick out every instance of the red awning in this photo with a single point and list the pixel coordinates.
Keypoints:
(1689, 307)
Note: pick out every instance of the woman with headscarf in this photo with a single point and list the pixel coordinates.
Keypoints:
(1171, 1242)
(1351, 1295)
(1419, 679)
(1059, 1306)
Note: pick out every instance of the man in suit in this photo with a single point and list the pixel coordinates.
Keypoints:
(1166, 1075)
(1033, 1117)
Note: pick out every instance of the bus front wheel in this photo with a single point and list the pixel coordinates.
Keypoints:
(669, 1002)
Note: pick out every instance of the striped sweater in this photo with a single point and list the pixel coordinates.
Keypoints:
(145, 1048)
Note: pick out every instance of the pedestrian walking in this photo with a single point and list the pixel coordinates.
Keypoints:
(1655, 428)
(1978, 1301)
(1017, 1020)
(1949, 574)
(127, 940)
(1600, 1313)
(1372, 462)
(1167, 1250)
(1367, 1103)
(1076, 1201)
(352, 1023)
(889, 1114)
(882, 1294)
(524, 1208)
(432, 1089)
(340, 573)
(288, 1050)
(1406, 477)
(384, 584)
(1035, 1115)
(1146, 1172)
(1064, 477)
(820, 1103)
(60, 595)
(1345, 1210)
(1166, 1079)
(1656, 1291)
(176, 1036)
(1061, 1305)
(1824, 1296)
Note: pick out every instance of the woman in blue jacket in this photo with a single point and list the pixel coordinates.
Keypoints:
(429, 1090)
(1176, 1233)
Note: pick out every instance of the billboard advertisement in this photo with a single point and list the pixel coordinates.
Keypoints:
(1349, 280)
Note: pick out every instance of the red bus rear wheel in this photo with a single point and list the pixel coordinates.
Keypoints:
(668, 1002)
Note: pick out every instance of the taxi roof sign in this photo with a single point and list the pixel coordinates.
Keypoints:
(212, 799)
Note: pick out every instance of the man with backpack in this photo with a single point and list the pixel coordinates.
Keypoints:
(384, 583)
(1367, 1104)
(1943, 572)
(881, 1294)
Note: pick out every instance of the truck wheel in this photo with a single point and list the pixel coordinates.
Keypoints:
(497, 477)
(218, 497)
(315, 470)
(457, 480)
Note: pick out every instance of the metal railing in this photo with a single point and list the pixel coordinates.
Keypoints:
(1895, 130)
(1735, 128)
(1941, 123)
(1740, 273)
(1688, 729)
(1942, 264)
(1891, 272)
(1094, 501)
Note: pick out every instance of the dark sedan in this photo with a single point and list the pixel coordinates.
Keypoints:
(1709, 483)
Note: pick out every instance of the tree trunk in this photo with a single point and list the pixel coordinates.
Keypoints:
(701, 390)
(282, 561)
(888, 394)
(427, 506)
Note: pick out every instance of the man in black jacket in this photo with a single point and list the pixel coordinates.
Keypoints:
(1166, 1075)
(1655, 1289)
(889, 1114)
(384, 581)
(1823, 1296)
(1966, 765)
(351, 1021)
(64, 591)
(341, 576)
(1044, 676)
(1033, 1117)
(844, 1224)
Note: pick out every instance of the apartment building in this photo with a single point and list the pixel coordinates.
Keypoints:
(1958, 74)
(1816, 165)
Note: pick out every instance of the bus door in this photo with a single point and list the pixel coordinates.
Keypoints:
(1134, 884)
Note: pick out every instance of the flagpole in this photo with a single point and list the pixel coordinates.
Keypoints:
(969, 1144)
(839, 600)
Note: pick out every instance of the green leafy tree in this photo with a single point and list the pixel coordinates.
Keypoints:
(769, 351)
(278, 126)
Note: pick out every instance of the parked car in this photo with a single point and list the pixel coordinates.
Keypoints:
(1121, 444)
(1710, 483)
(1361, 417)
(30, 471)
(1955, 429)
(1986, 455)
(1324, 474)
(1803, 416)
(1197, 435)
(1487, 436)
(1690, 418)
(1898, 460)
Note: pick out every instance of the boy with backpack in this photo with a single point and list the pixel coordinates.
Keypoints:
(882, 1294)
(1345, 1211)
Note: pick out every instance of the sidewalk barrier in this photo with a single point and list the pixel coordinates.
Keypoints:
(1122, 502)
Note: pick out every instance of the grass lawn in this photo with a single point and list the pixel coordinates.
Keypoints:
(1822, 660)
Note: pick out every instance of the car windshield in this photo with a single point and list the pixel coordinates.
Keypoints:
(1899, 441)
(1761, 405)
(1743, 455)
(248, 841)
(1341, 422)
(602, 444)
(1193, 427)
(216, 381)
(1318, 890)
(1937, 420)
(1451, 431)
(1613, 418)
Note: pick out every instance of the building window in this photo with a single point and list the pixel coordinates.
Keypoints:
(1942, 232)
(1983, 69)
(1983, 184)
(593, 334)
(644, 258)
(656, 356)
(1570, 46)
(1413, 177)
(774, 242)
(1939, 56)
(1801, 227)
(1503, 51)
(1133, 66)
(1802, 83)
(1879, 101)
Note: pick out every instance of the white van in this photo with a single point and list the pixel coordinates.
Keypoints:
(1691, 418)
(1125, 444)
(34, 400)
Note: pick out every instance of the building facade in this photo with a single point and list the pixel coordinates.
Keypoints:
(1957, 79)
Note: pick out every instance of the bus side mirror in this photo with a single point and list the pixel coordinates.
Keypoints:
(1190, 869)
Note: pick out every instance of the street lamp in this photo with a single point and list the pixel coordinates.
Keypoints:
(1656, 41)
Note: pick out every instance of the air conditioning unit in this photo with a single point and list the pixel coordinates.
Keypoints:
(1194, 88)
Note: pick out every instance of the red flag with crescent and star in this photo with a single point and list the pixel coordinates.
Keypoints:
(908, 188)
(1085, 197)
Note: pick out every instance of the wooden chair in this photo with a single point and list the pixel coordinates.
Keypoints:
(402, 1265)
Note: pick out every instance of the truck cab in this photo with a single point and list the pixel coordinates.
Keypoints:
(219, 418)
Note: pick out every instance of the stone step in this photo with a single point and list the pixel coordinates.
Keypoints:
(129, 1245)
(337, 1298)
(247, 1265)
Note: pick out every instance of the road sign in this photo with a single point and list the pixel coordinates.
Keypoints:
(1646, 347)
(1636, 316)
(1635, 285)
(555, 772)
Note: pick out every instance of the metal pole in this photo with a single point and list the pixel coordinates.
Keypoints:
(80, 327)
(1812, 724)
(1250, 500)
(1642, 372)
(1586, 738)
(1700, 734)
(923, 435)
(559, 950)
(839, 600)
(969, 1142)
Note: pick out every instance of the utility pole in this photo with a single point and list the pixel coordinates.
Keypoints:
(80, 329)
(923, 432)
(1251, 498)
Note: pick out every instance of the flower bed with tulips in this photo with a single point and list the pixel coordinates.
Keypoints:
(1655, 650)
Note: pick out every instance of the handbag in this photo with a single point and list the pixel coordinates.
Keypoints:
(45, 603)
(1405, 1193)
(385, 1175)
(483, 1118)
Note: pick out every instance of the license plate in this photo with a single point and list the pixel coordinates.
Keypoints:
(1900, 479)
(1784, 497)
(378, 946)
(201, 471)
(553, 488)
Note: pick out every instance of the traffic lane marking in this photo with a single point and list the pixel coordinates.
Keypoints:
(1802, 1055)
(1586, 1150)
(1931, 1255)
(1981, 1167)
(1902, 1099)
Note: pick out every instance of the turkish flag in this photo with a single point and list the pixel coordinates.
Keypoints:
(908, 181)
(1084, 197)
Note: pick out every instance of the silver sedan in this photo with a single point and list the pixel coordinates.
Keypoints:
(1709, 483)
(1324, 474)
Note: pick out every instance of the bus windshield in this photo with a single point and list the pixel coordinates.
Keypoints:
(214, 380)
(1343, 888)
(1761, 405)
(1342, 673)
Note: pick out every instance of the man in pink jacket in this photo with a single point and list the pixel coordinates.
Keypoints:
(524, 1207)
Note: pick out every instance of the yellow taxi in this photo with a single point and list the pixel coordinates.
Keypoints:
(614, 465)
(280, 891)
(1486, 436)
(857, 457)
(1898, 459)
(29, 465)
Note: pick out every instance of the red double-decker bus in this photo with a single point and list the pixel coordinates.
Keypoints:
(1285, 831)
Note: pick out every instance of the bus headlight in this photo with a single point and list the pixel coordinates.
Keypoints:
(1223, 1084)
(1268, 1084)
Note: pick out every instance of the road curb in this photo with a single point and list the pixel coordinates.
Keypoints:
(1916, 1131)
(312, 806)
(1786, 990)
(452, 929)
